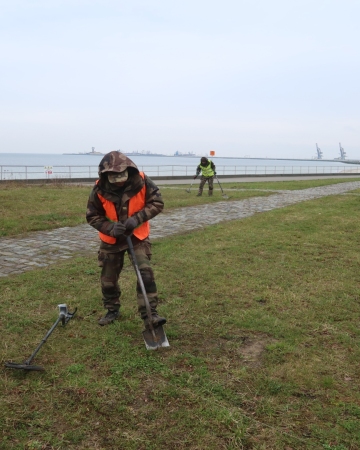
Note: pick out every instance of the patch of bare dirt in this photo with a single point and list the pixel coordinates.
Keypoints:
(252, 348)
(242, 349)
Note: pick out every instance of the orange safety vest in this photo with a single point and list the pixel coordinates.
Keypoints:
(136, 203)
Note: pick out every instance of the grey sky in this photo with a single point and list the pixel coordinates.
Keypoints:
(258, 78)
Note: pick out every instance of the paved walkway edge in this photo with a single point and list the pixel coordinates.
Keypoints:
(40, 249)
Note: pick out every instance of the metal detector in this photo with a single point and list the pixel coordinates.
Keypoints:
(189, 189)
(154, 337)
(223, 194)
(64, 317)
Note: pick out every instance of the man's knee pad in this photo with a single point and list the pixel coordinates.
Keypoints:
(147, 275)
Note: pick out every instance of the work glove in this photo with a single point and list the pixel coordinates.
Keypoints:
(118, 229)
(130, 224)
(195, 177)
(214, 173)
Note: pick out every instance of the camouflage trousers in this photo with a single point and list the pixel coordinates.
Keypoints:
(203, 180)
(111, 266)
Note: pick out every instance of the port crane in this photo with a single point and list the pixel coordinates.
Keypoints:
(342, 152)
(319, 152)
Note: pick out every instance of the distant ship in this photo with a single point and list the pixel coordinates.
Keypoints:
(93, 152)
(184, 154)
(143, 153)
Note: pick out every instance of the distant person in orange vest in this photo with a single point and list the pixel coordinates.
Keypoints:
(121, 203)
(207, 169)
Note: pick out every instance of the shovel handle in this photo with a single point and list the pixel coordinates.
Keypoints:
(141, 283)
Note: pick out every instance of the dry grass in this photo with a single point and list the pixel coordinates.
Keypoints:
(263, 321)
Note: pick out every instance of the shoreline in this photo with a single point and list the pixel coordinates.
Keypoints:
(187, 156)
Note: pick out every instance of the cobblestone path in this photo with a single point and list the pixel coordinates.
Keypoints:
(39, 249)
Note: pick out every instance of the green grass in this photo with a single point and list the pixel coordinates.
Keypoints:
(277, 185)
(264, 328)
(35, 208)
(26, 208)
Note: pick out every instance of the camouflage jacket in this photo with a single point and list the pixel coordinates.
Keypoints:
(120, 196)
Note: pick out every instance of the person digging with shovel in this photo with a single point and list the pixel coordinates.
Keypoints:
(207, 169)
(121, 203)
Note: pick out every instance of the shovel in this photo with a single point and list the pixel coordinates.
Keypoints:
(64, 317)
(154, 337)
(224, 195)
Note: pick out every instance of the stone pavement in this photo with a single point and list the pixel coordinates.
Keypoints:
(40, 249)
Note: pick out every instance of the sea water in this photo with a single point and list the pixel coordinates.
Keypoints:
(41, 165)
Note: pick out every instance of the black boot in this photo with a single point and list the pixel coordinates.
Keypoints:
(156, 320)
(109, 317)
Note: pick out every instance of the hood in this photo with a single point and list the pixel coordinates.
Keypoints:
(117, 162)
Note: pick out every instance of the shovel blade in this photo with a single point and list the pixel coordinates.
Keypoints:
(156, 340)
(22, 366)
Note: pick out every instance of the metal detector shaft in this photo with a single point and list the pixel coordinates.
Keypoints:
(141, 283)
(189, 189)
(224, 195)
(219, 183)
(64, 317)
(28, 361)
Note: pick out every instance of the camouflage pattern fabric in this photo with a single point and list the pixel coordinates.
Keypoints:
(111, 266)
(120, 196)
(203, 180)
(203, 167)
(111, 256)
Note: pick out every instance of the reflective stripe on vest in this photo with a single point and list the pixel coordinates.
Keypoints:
(136, 203)
(207, 171)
